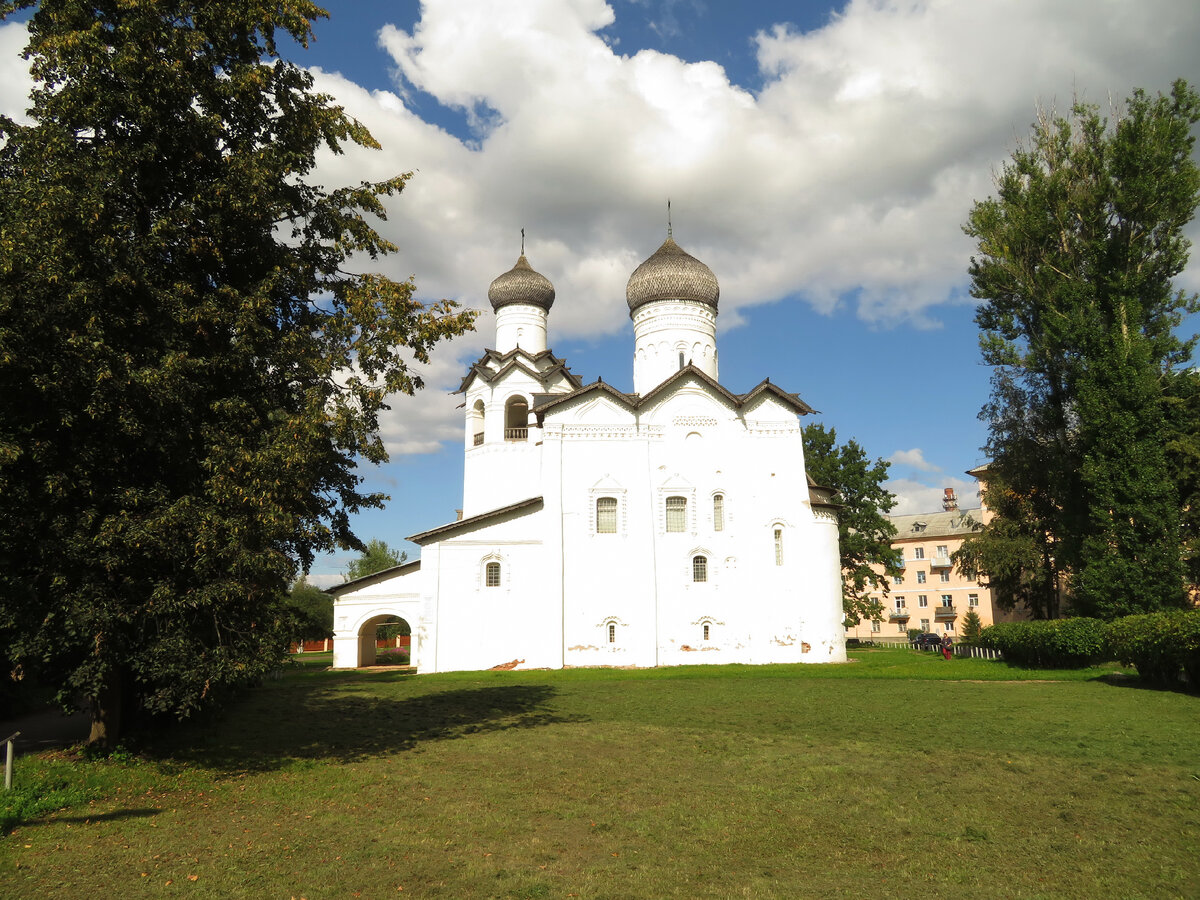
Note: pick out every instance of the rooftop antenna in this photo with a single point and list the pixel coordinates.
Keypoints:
(668, 217)
(522, 241)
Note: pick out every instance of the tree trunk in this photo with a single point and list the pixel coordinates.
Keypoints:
(106, 712)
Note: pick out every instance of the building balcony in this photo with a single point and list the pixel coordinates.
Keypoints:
(944, 612)
(901, 613)
(516, 434)
(939, 562)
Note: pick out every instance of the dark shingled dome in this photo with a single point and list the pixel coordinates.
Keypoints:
(521, 284)
(672, 274)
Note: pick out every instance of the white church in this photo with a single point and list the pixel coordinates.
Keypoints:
(671, 525)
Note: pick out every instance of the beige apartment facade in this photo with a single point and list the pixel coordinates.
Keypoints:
(930, 593)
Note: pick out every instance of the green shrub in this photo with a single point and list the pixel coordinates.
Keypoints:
(1161, 646)
(972, 626)
(1050, 643)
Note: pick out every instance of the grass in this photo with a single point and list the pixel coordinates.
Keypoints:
(897, 775)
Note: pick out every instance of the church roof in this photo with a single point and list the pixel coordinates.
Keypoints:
(472, 522)
(521, 284)
(671, 273)
(544, 402)
(382, 575)
(494, 364)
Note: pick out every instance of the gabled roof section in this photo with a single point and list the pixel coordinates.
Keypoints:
(765, 387)
(443, 531)
(494, 364)
(544, 402)
(374, 578)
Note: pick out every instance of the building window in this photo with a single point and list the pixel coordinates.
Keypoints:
(706, 631)
(779, 546)
(875, 627)
(699, 568)
(612, 633)
(924, 624)
(606, 515)
(947, 600)
(677, 514)
(948, 626)
(972, 600)
(941, 550)
(897, 579)
(918, 552)
(681, 359)
(492, 578)
(944, 577)
(899, 603)
(902, 627)
(920, 578)
(718, 512)
(922, 600)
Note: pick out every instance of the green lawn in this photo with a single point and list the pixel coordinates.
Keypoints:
(898, 775)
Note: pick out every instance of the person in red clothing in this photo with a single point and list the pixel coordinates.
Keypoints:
(947, 646)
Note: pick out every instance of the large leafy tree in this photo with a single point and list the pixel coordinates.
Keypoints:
(312, 612)
(1182, 392)
(375, 557)
(864, 531)
(189, 362)
(1076, 256)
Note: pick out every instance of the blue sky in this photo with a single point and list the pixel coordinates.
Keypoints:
(821, 159)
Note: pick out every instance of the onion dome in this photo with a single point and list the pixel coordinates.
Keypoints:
(521, 284)
(672, 274)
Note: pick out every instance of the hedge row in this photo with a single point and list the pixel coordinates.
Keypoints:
(1050, 643)
(1160, 646)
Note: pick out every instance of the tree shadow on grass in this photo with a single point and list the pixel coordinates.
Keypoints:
(346, 723)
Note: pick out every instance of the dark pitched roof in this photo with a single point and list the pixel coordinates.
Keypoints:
(472, 522)
(544, 402)
(374, 577)
(517, 358)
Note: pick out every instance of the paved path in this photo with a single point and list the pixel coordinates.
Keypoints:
(45, 730)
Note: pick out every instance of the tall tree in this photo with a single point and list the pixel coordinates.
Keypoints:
(312, 612)
(376, 557)
(1182, 393)
(1077, 252)
(189, 364)
(864, 532)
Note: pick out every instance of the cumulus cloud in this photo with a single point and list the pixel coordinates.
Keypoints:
(843, 181)
(914, 496)
(15, 82)
(914, 458)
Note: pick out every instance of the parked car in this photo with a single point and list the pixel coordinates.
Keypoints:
(927, 641)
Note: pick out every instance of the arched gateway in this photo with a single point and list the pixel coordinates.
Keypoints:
(362, 606)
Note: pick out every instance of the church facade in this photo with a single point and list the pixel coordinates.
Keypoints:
(671, 525)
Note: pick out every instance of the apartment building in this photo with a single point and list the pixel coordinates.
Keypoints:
(930, 593)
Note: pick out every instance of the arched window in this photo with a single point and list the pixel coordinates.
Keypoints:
(612, 633)
(492, 575)
(779, 546)
(681, 359)
(477, 416)
(706, 631)
(699, 568)
(677, 514)
(718, 512)
(516, 419)
(606, 515)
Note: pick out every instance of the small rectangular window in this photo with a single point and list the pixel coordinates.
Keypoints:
(920, 578)
(924, 624)
(875, 626)
(677, 514)
(944, 577)
(699, 568)
(897, 579)
(606, 515)
(972, 599)
(947, 600)
(779, 546)
(918, 553)
(718, 512)
(922, 600)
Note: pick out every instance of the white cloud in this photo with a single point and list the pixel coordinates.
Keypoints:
(914, 458)
(913, 496)
(15, 82)
(844, 180)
